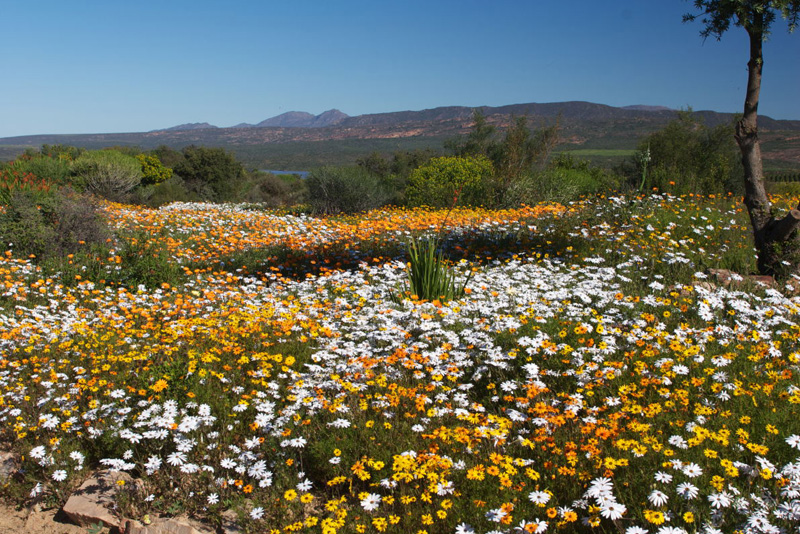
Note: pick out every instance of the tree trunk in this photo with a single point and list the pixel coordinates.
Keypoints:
(775, 240)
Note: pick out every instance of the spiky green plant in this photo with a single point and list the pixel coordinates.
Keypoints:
(430, 275)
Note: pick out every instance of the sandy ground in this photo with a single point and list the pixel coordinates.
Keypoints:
(13, 521)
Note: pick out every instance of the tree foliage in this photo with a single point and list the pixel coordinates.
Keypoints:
(716, 16)
(776, 238)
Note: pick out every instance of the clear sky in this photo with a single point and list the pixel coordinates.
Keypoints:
(90, 66)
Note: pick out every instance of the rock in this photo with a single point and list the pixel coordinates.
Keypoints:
(726, 278)
(792, 287)
(762, 279)
(175, 525)
(93, 502)
(8, 466)
(722, 276)
(230, 523)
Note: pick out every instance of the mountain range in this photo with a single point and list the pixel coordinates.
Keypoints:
(582, 126)
(570, 110)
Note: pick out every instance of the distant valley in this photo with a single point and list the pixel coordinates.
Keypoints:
(301, 140)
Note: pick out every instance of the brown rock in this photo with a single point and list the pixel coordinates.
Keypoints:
(762, 279)
(230, 523)
(93, 502)
(8, 465)
(722, 276)
(175, 525)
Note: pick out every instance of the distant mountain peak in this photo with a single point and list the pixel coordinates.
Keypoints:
(302, 119)
(189, 126)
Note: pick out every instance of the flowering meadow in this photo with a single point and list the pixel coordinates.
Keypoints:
(593, 378)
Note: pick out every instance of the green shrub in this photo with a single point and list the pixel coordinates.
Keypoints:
(168, 191)
(345, 190)
(275, 191)
(108, 173)
(564, 180)
(686, 156)
(56, 170)
(519, 153)
(13, 180)
(443, 181)
(52, 226)
(212, 174)
(153, 171)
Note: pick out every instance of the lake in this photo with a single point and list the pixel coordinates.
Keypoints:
(301, 174)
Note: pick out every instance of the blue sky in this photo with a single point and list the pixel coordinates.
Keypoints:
(110, 66)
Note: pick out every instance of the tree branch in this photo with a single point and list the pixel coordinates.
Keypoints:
(784, 227)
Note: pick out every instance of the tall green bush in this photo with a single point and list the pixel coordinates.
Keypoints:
(275, 191)
(51, 226)
(439, 181)
(108, 173)
(213, 174)
(345, 190)
(168, 191)
(517, 156)
(687, 156)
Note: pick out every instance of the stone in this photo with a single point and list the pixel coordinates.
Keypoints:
(94, 501)
(230, 523)
(8, 466)
(174, 525)
(722, 276)
(763, 280)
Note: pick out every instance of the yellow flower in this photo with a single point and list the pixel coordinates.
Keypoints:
(160, 385)
(653, 516)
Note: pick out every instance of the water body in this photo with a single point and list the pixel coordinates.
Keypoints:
(301, 174)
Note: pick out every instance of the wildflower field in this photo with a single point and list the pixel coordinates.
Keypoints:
(591, 379)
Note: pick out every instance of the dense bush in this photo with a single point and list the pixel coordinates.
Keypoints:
(51, 226)
(168, 191)
(275, 191)
(57, 170)
(107, 173)
(443, 181)
(517, 156)
(213, 174)
(153, 171)
(345, 190)
(13, 180)
(396, 170)
(686, 156)
(565, 179)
